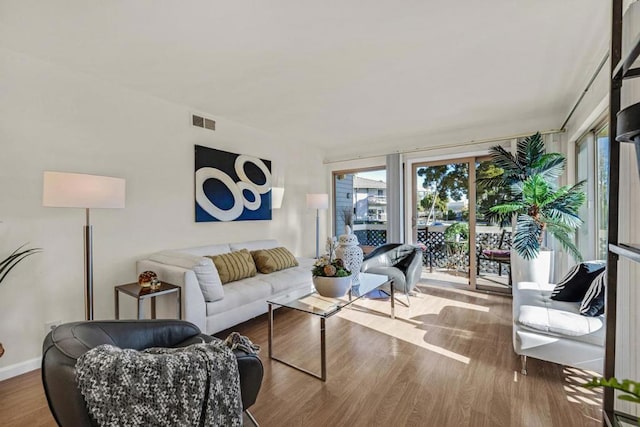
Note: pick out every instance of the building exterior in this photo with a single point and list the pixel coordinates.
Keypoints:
(370, 200)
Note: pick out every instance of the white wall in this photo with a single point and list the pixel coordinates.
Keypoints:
(52, 118)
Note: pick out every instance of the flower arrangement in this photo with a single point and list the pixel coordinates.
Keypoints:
(328, 265)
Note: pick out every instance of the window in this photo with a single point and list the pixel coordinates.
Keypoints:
(602, 190)
(592, 166)
(360, 199)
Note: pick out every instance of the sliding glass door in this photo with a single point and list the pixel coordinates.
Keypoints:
(461, 243)
(493, 239)
(442, 218)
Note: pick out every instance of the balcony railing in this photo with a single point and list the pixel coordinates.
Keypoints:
(377, 200)
(437, 253)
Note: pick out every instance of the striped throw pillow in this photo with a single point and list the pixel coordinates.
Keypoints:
(576, 282)
(234, 266)
(593, 302)
(276, 259)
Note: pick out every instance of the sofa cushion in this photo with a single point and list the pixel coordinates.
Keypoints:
(576, 282)
(557, 321)
(534, 310)
(497, 253)
(208, 250)
(276, 259)
(593, 302)
(234, 266)
(240, 293)
(254, 245)
(206, 273)
(283, 280)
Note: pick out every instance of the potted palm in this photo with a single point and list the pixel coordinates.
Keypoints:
(7, 264)
(541, 206)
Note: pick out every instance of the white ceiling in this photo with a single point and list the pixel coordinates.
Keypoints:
(350, 73)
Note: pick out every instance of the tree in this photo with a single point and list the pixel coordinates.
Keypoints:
(427, 201)
(449, 181)
(490, 195)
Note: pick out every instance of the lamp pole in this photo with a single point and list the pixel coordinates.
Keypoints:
(317, 233)
(88, 268)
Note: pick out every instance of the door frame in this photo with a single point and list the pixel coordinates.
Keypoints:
(471, 195)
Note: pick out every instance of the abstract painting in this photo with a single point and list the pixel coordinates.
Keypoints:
(231, 187)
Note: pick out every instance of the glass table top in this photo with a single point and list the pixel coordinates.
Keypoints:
(313, 303)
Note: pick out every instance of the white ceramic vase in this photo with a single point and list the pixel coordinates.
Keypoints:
(350, 253)
(536, 270)
(333, 287)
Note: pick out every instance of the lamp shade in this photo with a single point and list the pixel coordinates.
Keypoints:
(317, 201)
(277, 194)
(76, 190)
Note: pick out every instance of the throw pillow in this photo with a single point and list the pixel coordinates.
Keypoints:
(234, 266)
(575, 284)
(276, 259)
(404, 263)
(204, 269)
(593, 302)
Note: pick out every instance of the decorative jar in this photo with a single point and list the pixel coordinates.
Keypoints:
(350, 253)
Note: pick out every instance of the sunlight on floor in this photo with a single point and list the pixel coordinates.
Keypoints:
(406, 328)
(456, 290)
(486, 281)
(574, 379)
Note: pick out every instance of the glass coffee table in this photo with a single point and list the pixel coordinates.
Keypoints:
(324, 307)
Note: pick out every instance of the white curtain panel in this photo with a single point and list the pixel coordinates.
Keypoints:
(395, 191)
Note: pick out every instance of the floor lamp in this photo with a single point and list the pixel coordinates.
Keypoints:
(277, 194)
(317, 202)
(75, 190)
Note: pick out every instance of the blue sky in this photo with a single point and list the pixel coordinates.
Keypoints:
(379, 175)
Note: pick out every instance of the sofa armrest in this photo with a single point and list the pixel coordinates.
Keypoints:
(195, 310)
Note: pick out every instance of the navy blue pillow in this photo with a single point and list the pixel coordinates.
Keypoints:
(593, 302)
(575, 284)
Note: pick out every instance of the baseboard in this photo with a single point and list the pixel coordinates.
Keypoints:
(19, 368)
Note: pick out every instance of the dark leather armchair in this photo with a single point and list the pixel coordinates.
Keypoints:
(67, 342)
(401, 263)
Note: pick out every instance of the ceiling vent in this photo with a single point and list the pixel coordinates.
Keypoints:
(203, 122)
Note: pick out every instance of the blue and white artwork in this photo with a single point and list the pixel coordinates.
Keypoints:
(231, 187)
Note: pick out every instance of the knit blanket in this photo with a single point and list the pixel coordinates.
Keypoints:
(198, 385)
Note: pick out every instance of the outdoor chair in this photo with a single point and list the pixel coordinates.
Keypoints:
(499, 255)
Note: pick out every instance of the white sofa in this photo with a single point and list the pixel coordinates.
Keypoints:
(209, 304)
(555, 331)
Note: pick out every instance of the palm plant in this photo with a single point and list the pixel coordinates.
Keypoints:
(541, 206)
(7, 264)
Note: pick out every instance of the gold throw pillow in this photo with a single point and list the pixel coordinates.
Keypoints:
(234, 265)
(270, 260)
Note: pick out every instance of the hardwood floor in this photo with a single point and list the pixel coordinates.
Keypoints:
(446, 360)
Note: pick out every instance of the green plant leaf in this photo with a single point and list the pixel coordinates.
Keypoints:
(526, 239)
(629, 398)
(508, 208)
(631, 388)
(551, 166)
(9, 263)
(530, 179)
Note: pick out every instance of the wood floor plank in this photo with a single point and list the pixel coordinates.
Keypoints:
(447, 360)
